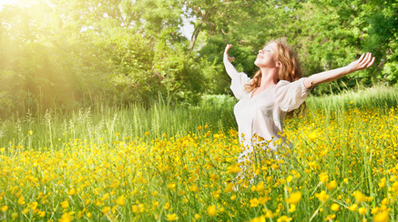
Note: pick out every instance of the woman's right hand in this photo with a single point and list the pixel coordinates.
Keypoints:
(226, 56)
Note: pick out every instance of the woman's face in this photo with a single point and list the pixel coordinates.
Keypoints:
(268, 56)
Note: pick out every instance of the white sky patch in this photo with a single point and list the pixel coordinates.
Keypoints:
(3, 2)
(188, 28)
(7, 2)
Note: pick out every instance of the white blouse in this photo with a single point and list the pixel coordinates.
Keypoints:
(263, 114)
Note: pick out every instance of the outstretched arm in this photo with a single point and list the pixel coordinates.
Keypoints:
(363, 62)
(232, 72)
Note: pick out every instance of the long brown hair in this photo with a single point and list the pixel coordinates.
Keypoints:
(290, 71)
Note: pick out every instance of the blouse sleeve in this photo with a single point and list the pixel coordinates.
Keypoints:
(290, 95)
(238, 85)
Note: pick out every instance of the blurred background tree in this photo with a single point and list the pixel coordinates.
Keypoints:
(78, 53)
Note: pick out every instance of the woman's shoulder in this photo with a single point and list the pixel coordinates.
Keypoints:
(284, 86)
(298, 82)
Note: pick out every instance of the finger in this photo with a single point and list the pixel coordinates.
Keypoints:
(360, 58)
(368, 57)
(228, 47)
(366, 60)
(371, 62)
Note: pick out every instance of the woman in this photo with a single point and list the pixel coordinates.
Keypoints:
(277, 89)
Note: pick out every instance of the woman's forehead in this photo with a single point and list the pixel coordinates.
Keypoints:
(271, 45)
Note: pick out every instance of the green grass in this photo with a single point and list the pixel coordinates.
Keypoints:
(53, 127)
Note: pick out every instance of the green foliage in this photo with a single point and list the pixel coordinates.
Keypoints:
(75, 53)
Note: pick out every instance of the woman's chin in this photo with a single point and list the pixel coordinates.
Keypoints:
(256, 63)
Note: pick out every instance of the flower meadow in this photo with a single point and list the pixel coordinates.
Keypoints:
(341, 166)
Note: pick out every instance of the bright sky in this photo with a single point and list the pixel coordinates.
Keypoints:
(3, 2)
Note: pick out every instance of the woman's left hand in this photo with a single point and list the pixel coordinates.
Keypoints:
(365, 61)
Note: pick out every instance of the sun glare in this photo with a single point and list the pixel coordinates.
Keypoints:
(8, 2)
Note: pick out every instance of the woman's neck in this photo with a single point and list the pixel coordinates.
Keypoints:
(269, 77)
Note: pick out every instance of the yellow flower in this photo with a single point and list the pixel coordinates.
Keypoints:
(106, 196)
(381, 217)
(65, 204)
(294, 198)
(211, 211)
(254, 202)
(197, 216)
(359, 197)
(229, 188)
(362, 210)
(262, 200)
(167, 206)
(260, 187)
(171, 186)
(382, 182)
(322, 196)
(312, 136)
(171, 217)
(330, 217)
(335, 207)
(233, 197)
(216, 194)
(332, 185)
(385, 201)
(292, 208)
(199, 127)
(284, 219)
(21, 200)
(258, 219)
(106, 210)
(324, 177)
(4, 208)
(146, 133)
(67, 217)
(33, 205)
(194, 188)
(275, 166)
(234, 168)
(121, 200)
(72, 192)
(353, 207)
(374, 210)
(135, 208)
(269, 214)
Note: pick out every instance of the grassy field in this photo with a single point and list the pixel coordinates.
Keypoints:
(164, 164)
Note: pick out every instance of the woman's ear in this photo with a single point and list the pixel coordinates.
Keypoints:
(278, 64)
